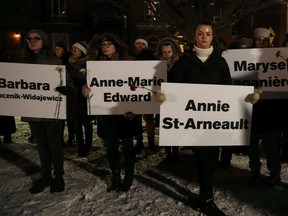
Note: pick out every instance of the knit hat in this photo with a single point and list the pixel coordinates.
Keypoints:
(261, 33)
(141, 40)
(81, 45)
(61, 44)
(244, 42)
(42, 34)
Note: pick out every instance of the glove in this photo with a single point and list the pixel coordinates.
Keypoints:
(160, 97)
(254, 97)
(64, 90)
(129, 115)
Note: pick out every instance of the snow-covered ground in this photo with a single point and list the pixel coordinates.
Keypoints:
(158, 188)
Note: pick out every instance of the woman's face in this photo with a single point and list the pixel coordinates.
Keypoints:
(59, 51)
(203, 36)
(108, 48)
(262, 42)
(139, 46)
(167, 52)
(35, 42)
(75, 52)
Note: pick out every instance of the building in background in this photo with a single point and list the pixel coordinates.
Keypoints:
(71, 20)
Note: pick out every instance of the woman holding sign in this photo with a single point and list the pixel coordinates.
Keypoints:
(203, 64)
(47, 132)
(115, 130)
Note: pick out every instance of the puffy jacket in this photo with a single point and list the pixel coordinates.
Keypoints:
(190, 69)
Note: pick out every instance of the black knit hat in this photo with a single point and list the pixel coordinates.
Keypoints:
(61, 44)
(42, 34)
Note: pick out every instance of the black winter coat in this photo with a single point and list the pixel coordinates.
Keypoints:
(269, 115)
(7, 125)
(116, 126)
(190, 69)
(77, 103)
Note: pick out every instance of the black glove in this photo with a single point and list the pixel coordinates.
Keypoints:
(64, 90)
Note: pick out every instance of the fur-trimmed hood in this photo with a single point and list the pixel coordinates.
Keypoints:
(94, 51)
(167, 41)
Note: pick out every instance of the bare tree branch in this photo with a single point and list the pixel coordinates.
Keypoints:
(182, 15)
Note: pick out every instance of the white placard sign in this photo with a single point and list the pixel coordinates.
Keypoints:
(205, 115)
(118, 87)
(27, 90)
(264, 68)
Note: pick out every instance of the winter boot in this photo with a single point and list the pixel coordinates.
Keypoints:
(114, 162)
(116, 182)
(58, 184)
(39, 185)
(127, 183)
(129, 163)
(210, 208)
(273, 179)
(255, 178)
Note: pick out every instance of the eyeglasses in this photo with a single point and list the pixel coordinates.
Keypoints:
(75, 49)
(34, 39)
(108, 44)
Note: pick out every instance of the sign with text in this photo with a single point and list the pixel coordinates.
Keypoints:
(118, 87)
(205, 115)
(27, 90)
(264, 68)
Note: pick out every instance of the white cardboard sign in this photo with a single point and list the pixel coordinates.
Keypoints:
(27, 90)
(111, 81)
(264, 68)
(205, 115)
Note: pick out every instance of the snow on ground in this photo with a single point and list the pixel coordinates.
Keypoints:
(159, 189)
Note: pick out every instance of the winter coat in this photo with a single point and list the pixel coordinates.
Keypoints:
(116, 126)
(42, 57)
(190, 69)
(7, 125)
(269, 115)
(76, 102)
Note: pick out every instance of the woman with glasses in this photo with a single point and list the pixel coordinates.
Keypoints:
(115, 129)
(47, 132)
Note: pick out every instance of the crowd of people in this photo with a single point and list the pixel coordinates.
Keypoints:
(195, 65)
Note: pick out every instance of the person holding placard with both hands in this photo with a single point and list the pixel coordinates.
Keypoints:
(203, 64)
